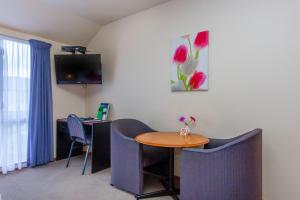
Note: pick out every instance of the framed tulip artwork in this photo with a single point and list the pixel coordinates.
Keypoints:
(190, 62)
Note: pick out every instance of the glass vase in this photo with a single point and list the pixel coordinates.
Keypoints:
(185, 131)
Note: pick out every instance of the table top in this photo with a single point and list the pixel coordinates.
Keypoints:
(171, 139)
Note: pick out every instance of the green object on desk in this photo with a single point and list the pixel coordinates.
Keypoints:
(103, 111)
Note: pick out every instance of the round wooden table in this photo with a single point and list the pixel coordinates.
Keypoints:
(169, 140)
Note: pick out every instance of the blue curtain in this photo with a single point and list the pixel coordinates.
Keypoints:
(40, 131)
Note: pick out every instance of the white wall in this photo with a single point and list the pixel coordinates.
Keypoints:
(66, 98)
(254, 76)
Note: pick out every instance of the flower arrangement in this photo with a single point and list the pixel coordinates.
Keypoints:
(188, 122)
(186, 58)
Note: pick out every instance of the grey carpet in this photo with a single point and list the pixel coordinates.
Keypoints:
(55, 182)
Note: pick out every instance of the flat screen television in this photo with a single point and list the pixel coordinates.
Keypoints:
(78, 69)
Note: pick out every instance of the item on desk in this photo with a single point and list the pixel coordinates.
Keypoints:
(188, 124)
(103, 111)
(86, 118)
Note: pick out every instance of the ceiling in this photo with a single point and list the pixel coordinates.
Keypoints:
(67, 21)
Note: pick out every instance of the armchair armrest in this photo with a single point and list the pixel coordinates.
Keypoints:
(221, 144)
(214, 143)
(126, 163)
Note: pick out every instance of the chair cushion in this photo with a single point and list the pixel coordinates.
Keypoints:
(153, 155)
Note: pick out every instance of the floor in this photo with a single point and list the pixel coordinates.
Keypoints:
(55, 182)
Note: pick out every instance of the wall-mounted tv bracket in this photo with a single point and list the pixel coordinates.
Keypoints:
(74, 49)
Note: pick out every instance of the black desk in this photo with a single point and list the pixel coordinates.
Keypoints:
(100, 131)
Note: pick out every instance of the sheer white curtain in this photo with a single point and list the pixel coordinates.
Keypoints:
(14, 103)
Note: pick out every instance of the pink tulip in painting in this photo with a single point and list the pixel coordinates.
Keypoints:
(190, 62)
(197, 80)
(201, 40)
(180, 54)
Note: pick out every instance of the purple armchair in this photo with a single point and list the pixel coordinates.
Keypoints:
(229, 169)
(129, 159)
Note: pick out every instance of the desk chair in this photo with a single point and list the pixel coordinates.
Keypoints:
(77, 134)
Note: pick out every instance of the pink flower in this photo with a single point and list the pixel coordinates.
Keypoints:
(201, 40)
(181, 119)
(193, 119)
(180, 55)
(197, 80)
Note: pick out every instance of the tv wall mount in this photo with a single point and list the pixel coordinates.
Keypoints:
(74, 49)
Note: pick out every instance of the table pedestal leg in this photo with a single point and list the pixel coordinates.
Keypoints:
(170, 191)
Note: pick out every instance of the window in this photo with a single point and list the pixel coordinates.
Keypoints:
(14, 102)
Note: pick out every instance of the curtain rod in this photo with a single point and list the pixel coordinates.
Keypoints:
(14, 38)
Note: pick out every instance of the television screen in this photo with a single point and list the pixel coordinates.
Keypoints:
(78, 69)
